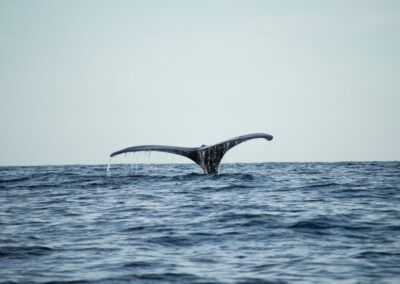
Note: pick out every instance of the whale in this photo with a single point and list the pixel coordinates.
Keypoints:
(207, 157)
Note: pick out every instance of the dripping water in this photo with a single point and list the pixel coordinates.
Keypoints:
(109, 166)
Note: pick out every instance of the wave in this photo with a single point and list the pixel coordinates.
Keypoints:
(247, 224)
(314, 225)
(374, 255)
(138, 264)
(24, 251)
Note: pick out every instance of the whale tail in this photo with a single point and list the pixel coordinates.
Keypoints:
(207, 157)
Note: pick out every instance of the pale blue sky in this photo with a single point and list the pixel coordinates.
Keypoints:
(81, 79)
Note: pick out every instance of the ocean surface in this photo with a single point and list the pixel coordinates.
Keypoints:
(252, 223)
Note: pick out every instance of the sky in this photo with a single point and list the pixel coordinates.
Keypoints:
(82, 79)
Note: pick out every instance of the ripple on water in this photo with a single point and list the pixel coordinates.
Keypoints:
(252, 223)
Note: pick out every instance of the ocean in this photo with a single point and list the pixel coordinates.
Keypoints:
(169, 223)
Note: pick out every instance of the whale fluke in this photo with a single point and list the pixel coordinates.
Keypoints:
(207, 157)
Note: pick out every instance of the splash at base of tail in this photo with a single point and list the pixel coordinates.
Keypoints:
(207, 157)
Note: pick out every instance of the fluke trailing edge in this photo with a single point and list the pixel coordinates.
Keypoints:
(207, 157)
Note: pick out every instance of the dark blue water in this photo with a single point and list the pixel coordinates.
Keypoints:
(253, 223)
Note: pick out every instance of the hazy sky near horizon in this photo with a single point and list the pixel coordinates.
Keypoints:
(81, 79)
